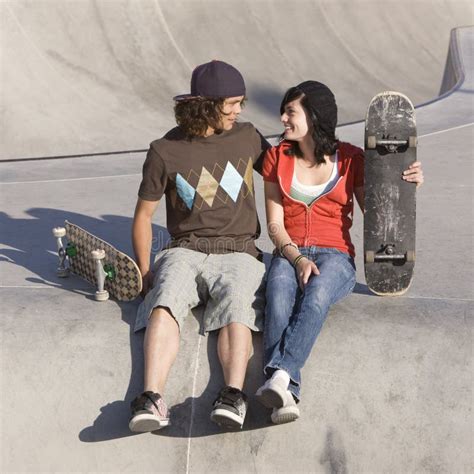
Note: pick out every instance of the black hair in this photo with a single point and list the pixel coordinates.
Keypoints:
(325, 140)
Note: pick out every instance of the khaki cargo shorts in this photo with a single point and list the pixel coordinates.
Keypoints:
(231, 286)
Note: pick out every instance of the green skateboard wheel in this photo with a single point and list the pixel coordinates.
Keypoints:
(71, 250)
(110, 271)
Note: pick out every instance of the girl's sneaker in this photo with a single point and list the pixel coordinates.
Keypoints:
(272, 393)
(288, 412)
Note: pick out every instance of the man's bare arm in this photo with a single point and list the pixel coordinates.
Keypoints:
(142, 238)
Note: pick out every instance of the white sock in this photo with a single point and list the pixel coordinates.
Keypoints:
(281, 375)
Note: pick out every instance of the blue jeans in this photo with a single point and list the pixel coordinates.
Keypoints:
(294, 318)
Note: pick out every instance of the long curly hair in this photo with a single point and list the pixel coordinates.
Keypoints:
(326, 142)
(195, 115)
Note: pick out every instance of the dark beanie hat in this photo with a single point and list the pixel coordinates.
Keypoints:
(215, 80)
(323, 103)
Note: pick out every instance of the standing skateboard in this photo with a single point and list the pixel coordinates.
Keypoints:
(390, 205)
(97, 262)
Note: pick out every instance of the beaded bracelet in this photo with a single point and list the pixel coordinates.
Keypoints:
(289, 244)
(297, 259)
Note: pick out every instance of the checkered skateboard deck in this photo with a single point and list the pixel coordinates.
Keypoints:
(123, 280)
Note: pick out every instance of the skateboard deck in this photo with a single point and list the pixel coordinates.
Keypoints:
(390, 204)
(97, 262)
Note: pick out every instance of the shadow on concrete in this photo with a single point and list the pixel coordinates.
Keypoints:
(191, 418)
(197, 410)
(32, 236)
(333, 458)
(361, 289)
(112, 421)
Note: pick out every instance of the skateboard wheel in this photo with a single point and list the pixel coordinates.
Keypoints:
(71, 250)
(110, 271)
(369, 256)
(410, 256)
(59, 232)
(101, 295)
(98, 254)
(63, 272)
(371, 142)
(412, 142)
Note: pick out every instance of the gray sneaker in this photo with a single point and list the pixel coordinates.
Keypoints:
(230, 408)
(149, 413)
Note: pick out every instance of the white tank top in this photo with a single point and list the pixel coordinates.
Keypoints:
(308, 193)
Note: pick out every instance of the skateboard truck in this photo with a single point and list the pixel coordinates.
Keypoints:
(102, 272)
(388, 253)
(390, 144)
(62, 270)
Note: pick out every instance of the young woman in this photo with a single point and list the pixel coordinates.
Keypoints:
(311, 179)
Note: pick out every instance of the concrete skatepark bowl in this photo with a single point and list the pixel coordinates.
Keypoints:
(388, 387)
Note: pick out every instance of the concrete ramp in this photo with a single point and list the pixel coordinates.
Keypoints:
(388, 387)
(81, 77)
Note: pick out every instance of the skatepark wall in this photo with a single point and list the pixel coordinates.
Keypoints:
(454, 71)
(85, 77)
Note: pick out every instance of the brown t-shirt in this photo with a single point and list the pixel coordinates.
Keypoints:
(208, 183)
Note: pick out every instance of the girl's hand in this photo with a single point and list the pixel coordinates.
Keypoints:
(414, 174)
(304, 269)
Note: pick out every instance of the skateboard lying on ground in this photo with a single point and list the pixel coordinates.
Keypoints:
(390, 205)
(97, 262)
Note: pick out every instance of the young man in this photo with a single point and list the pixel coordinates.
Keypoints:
(204, 167)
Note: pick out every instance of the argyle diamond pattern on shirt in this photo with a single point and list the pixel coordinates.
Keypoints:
(207, 187)
(231, 181)
(185, 190)
(248, 177)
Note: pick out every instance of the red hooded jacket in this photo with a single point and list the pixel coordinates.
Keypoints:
(326, 222)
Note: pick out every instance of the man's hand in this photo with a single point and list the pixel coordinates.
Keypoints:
(304, 269)
(147, 282)
(414, 174)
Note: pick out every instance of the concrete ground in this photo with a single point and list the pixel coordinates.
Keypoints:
(388, 387)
